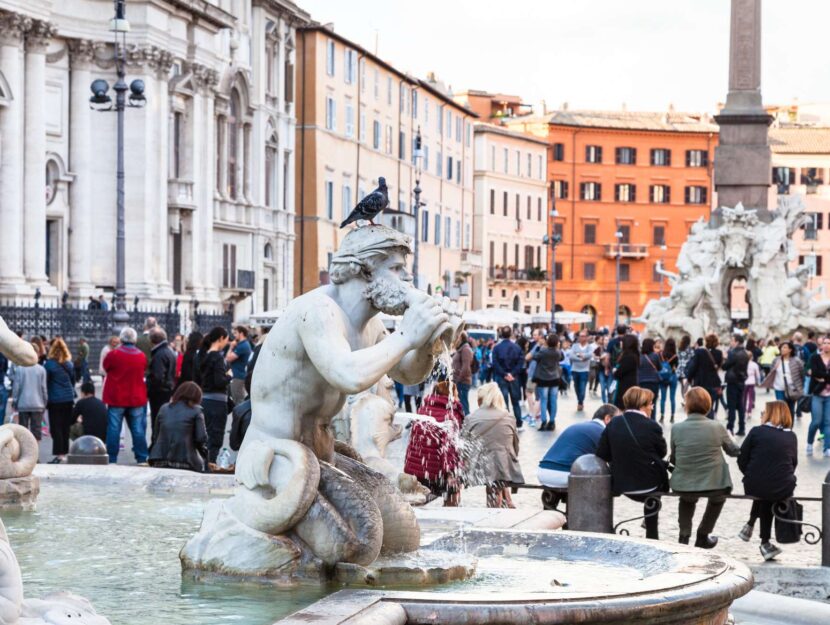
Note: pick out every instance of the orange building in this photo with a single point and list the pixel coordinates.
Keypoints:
(627, 183)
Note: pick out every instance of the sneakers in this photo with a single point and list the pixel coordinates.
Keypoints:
(746, 533)
(809, 449)
(769, 551)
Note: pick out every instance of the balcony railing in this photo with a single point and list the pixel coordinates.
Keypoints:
(180, 194)
(626, 250)
(531, 275)
(471, 258)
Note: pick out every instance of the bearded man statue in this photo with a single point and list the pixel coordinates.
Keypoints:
(298, 503)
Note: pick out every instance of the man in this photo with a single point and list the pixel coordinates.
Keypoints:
(614, 347)
(238, 357)
(125, 394)
(91, 412)
(82, 361)
(93, 304)
(161, 378)
(737, 360)
(143, 343)
(581, 354)
(102, 303)
(507, 367)
(575, 441)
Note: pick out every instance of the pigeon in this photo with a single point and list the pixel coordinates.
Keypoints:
(368, 208)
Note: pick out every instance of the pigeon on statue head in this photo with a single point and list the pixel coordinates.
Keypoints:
(368, 208)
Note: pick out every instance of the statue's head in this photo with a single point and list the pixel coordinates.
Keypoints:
(375, 255)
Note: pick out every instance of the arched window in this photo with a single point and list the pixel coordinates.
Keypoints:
(234, 129)
(590, 310)
(271, 173)
(52, 175)
(268, 252)
(517, 304)
(625, 314)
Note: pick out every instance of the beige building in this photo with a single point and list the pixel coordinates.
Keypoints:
(511, 216)
(357, 119)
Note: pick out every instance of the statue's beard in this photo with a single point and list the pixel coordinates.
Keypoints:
(388, 296)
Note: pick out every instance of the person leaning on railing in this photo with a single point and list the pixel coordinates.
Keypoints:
(700, 470)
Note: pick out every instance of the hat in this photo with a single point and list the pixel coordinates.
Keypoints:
(360, 243)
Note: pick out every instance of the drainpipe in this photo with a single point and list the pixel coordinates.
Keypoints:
(302, 174)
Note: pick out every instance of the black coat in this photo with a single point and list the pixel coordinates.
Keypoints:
(637, 462)
(212, 376)
(189, 367)
(735, 366)
(182, 438)
(161, 377)
(819, 375)
(768, 459)
(702, 369)
(239, 424)
(627, 375)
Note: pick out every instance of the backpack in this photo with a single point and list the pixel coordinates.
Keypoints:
(474, 365)
(665, 372)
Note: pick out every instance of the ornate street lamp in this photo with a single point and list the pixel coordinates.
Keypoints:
(101, 101)
(417, 155)
(552, 240)
(618, 235)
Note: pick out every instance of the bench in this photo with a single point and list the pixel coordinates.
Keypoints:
(551, 496)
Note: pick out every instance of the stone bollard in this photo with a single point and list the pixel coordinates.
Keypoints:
(825, 521)
(87, 450)
(590, 502)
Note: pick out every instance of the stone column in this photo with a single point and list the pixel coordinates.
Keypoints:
(34, 154)
(162, 65)
(12, 27)
(81, 202)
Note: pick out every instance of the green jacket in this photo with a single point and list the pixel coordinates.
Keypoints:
(696, 446)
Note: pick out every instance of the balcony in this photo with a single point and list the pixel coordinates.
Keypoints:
(471, 259)
(180, 194)
(626, 250)
(513, 274)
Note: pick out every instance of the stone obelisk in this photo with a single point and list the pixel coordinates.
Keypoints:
(742, 158)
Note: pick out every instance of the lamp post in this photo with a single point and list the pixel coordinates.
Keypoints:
(618, 235)
(553, 240)
(417, 155)
(100, 101)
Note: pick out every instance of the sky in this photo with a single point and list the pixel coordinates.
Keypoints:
(600, 54)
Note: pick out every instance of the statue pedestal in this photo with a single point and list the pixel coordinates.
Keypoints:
(19, 493)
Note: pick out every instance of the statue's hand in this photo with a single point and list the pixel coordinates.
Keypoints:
(254, 465)
(423, 316)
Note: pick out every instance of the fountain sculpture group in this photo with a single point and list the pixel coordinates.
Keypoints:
(741, 246)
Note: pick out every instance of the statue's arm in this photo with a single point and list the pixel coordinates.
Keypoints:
(415, 366)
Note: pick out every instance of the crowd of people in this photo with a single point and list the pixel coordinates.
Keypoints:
(187, 387)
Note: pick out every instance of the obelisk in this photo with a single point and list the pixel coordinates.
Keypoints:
(742, 157)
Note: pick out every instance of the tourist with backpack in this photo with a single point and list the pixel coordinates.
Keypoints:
(668, 378)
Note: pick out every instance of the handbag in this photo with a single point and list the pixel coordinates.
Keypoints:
(663, 465)
(792, 395)
(719, 390)
(788, 517)
(804, 404)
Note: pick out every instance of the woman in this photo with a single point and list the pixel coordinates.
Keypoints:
(786, 376)
(768, 354)
(648, 374)
(214, 380)
(703, 370)
(182, 434)
(668, 387)
(40, 349)
(634, 446)
(753, 348)
(768, 458)
(112, 344)
(700, 470)
(628, 366)
(525, 346)
(495, 429)
(566, 366)
(432, 454)
(606, 375)
(547, 376)
(820, 390)
(189, 370)
(60, 391)
(462, 373)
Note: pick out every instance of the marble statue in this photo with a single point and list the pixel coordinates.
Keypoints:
(18, 455)
(298, 505)
(740, 245)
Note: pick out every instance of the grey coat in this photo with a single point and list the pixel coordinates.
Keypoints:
(496, 430)
(29, 392)
(182, 438)
(696, 446)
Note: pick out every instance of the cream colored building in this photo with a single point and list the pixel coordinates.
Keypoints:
(511, 217)
(357, 119)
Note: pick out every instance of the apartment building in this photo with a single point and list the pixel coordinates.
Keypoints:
(621, 183)
(358, 119)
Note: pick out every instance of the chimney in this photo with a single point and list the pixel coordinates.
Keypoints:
(543, 107)
(564, 106)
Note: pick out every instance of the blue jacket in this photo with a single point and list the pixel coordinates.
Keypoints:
(507, 358)
(575, 441)
(60, 381)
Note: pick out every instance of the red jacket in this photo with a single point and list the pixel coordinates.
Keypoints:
(124, 385)
(432, 452)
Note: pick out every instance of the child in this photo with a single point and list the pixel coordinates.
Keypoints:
(753, 377)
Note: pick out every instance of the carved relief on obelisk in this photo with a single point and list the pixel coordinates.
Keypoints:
(745, 56)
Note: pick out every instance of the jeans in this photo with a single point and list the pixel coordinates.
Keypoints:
(464, 396)
(399, 393)
(763, 510)
(734, 401)
(137, 422)
(820, 420)
(654, 387)
(32, 420)
(668, 389)
(4, 400)
(714, 395)
(60, 421)
(580, 384)
(749, 398)
(782, 396)
(548, 398)
(605, 380)
(686, 511)
(216, 418)
(512, 396)
(652, 518)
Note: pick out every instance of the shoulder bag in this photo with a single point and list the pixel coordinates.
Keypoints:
(789, 514)
(660, 463)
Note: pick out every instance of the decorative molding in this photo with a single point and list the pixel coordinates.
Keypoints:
(38, 36)
(13, 28)
(54, 57)
(83, 53)
(204, 78)
(153, 57)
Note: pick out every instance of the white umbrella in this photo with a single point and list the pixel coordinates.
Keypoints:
(489, 317)
(565, 317)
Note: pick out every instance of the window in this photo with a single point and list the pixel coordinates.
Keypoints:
(458, 172)
(469, 134)
(813, 261)
(458, 123)
(438, 230)
(593, 154)
(349, 120)
(625, 272)
(625, 192)
(447, 231)
(426, 111)
(330, 57)
(504, 207)
(492, 201)
(388, 139)
(468, 235)
(626, 156)
(560, 189)
(589, 234)
(362, 75)
(449, 124)
(559, 152)
(504, 153)
(659, 194)
(529, 200)
(178, 144)
(518, 163)
(404, 98)
(271, 173)
(539, 208)
(661, 157)
(401, 145)
(220, 150)
(376, 91)
(449, 168)
(234, 127)
(811, 177)
(518, 202)
(658, 235)
(504, 254)
(331, 114)
(625, 231)
(492, 255)
(439, 165)
(590, 191)
(530, 165)
(228, 266)
(783, 176)
(425, 226)
(389, 90)
(361, 122)
(541, 167)
(329, 199)
(376, 134)
(558, 271)
(813, 225)
(697, 158)
(439, 120)
(558, 228)
(656, 276)
(589, 271)
(347, 201)
(696, 195)
(414, 103)
(426, 158)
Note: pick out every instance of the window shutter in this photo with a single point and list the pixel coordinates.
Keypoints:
(688, 158)
(618, 155)
(703, 192)
(581, 190)
(651, 193)
(587, 153)
(633, 193)
(668, 158)
(704, 158)
(818, 265)
(819, 221)
(633, 156)
(598, 194)
(616, 193)
(666, 194)
(653, 156)
(686, 192)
